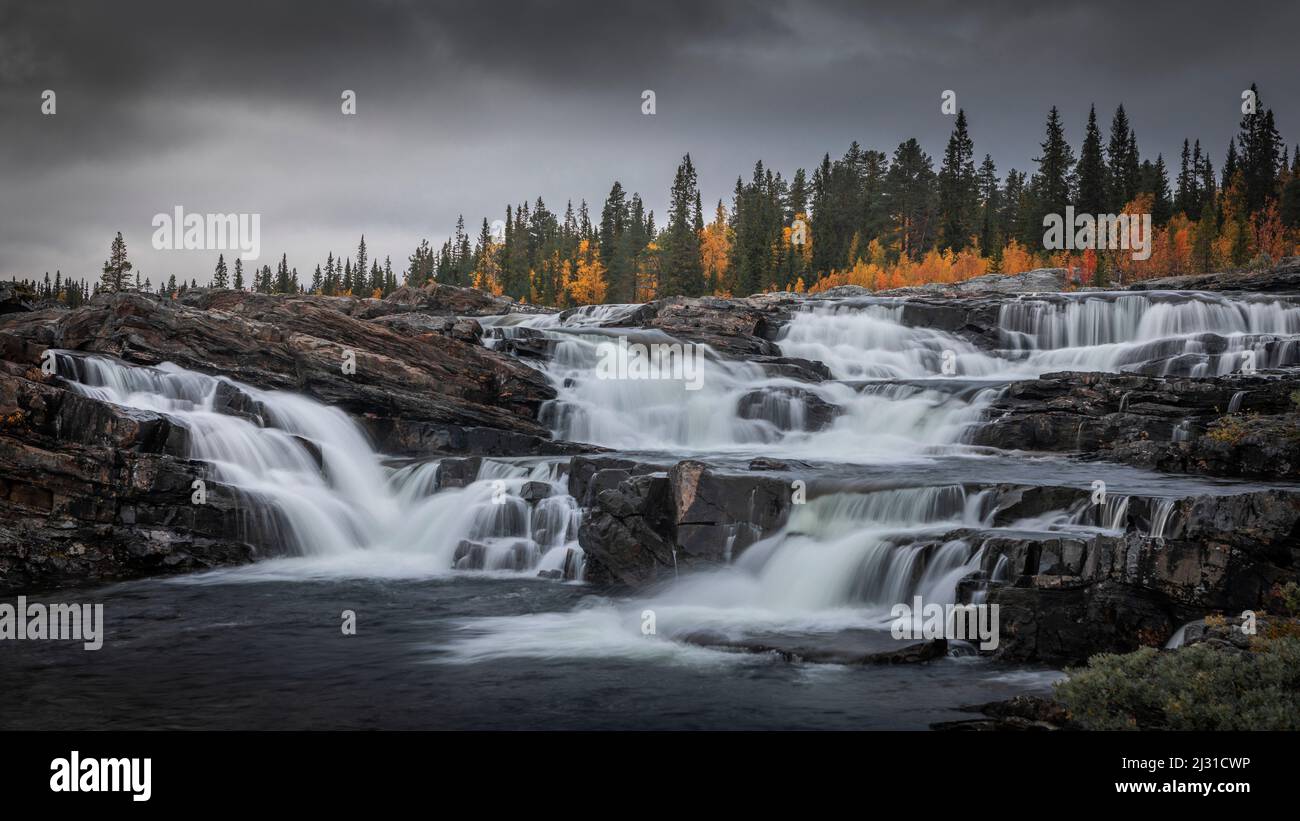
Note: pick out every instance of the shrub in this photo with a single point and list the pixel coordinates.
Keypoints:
(1229, 430)
(1198, 687)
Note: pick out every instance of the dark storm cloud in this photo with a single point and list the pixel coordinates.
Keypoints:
(463, 107)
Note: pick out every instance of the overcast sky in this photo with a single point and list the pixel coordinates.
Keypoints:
(464, 107)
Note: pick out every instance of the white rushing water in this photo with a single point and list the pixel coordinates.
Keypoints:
(310, 484)
(897, 391)
(315, 488)
(1173, 334)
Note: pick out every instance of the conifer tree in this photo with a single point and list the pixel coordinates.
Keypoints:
(1093, 185)
(220, 278)
(116, 267)
(683, 273)
(958, 194)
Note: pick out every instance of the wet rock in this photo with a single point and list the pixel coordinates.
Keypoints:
(1066, 598)
(789, 367)
(92, 492)
(401, 382)
(627, 535)
(1164, 423)
(852, 648)
(718, 515)
(457, 472)
(730, 327)
(788, 409)
(1018, 713)
(589, 475)
(533, 492)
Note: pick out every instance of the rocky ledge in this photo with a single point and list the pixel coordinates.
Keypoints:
(1247, 426)
(92, 491)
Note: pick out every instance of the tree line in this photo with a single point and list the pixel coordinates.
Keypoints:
(871, 218)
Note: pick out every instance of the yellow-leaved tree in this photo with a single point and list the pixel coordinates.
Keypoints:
(587, 284)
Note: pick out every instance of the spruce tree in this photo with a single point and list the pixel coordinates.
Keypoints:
(683, 273)
(910, 190)
(958, 194)
(220, 278)
(1053, 185)
(1122, 167)
(1093, 185)
(1185, 191)
(990, 201)
(619, 273)
(116, 267)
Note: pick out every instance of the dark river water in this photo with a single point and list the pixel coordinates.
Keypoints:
(215, 652)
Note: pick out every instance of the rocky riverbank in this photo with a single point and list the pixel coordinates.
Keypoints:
(92, 491)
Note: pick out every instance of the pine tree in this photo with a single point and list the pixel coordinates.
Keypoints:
(957, 190)
(613, 251)
(359, 271)
(1156, 183)
(1260, 150)
(115, 267)
(991, 238)
(1052, 186)
(1229, 164)
(1093, 185)
(683, 274)
(1122, 160)
(239, 274)
(910, 191)
(282, 281)
(220, 279)
(1185, 192)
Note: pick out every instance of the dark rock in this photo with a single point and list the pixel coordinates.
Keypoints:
(457, 472)
(1133, 418)
(1282, 278)
(92, 492)
(788, 409)
(298, 343)
(533, 492)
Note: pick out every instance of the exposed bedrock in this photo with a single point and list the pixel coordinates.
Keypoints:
(420, 385)
(647, 523)
(91, 491)
(1237, 425)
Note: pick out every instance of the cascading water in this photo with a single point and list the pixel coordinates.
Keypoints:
(897, 393)
(1161, 333)
(311, 485)
(739, 406)
(901, 392)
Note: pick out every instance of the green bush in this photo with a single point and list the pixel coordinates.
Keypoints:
(1198, 687)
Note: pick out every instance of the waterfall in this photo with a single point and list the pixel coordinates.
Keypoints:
(1158, 333)
(740, 407)
(310, 483)
(315, 488)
